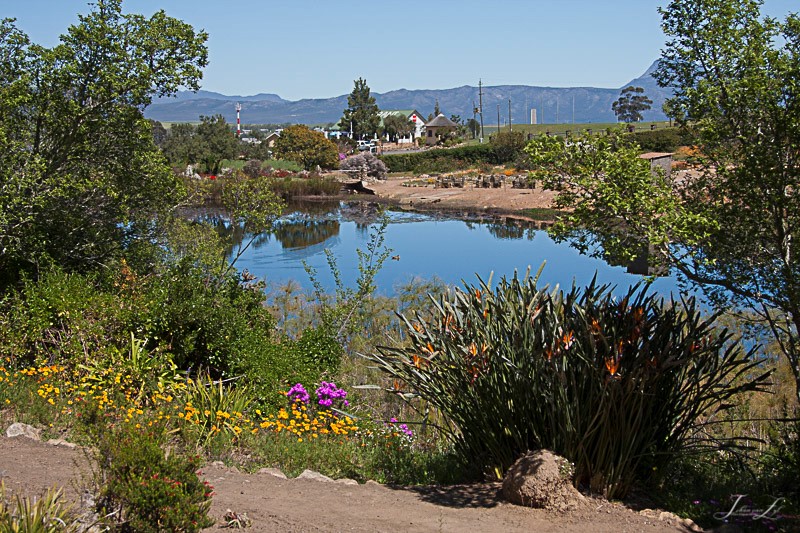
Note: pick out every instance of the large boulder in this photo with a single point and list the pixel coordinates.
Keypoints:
(542, 480)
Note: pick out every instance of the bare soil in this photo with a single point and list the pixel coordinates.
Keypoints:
(504, 199)
(288, 505)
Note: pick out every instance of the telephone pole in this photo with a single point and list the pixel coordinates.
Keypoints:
(498, 118)
(509, 116)
(480, 104)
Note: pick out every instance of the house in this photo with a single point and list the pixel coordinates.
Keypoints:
(270, 139)
(439, 128)
(410, 114)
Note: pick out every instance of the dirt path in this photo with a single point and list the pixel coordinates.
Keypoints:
(275, 504)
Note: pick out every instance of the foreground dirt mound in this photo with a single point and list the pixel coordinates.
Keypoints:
(289, 505)
(541, 479)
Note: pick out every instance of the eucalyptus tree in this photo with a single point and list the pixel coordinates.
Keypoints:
(80, 176)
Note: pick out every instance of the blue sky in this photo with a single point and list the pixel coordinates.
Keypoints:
(315, 49)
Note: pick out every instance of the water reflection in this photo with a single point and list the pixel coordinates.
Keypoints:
(427, 246)
(304, 233)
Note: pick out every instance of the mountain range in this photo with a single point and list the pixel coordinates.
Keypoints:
(553, 104)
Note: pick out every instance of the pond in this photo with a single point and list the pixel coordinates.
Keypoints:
(423, 246)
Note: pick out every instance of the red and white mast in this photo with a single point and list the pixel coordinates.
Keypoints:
(238, 124)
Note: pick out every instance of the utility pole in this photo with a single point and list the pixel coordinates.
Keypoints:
(509, 116)
(557, 109)
(498, 118)
(480, 104)
(542, 119)
(573, 109)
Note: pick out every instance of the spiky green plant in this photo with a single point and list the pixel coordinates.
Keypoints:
(47, 514)
(214, 408)
(617, 386)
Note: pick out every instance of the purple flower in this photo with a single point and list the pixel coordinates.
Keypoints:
(298, 393)
(327, 393)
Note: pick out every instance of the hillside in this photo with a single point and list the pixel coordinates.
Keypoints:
(553, 104)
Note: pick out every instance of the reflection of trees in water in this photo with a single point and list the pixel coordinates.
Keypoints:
(512, 229)
(362, 213)
(305, 233)
(313, 208)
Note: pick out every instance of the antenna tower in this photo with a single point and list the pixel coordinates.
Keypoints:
(238, 124)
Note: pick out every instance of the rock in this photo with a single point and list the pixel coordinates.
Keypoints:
(314, 476)
(62, 442)
(541, 479)
(275, 472)
(373, 483)
(666, 515)
(347, 481)
(18, 429)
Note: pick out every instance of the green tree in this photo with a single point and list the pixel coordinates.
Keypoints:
(734, 228)
(215, 142)
(474, 127)
(361, 116)
(632, 101)
(306, 147)
(180, 146)
(397, 126)
(80, 176)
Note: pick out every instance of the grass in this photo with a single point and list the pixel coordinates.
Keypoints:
(576, 128)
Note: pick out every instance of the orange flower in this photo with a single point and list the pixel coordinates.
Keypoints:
(473, 349)
(567, 340)
(417, 327)
(478, 294)
(417, 360)
(612, 365)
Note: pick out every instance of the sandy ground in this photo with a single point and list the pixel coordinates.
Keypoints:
(294, 505)
(504, 199)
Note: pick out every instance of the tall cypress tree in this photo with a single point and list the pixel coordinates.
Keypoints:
(361, 115)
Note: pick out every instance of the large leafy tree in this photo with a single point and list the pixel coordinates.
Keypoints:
(397, 126)
(632, 101)
(80, 176)
(361, 115)
(734, 227)
(216, 141)
(306, 147)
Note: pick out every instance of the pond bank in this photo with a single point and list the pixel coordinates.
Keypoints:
(504, 200)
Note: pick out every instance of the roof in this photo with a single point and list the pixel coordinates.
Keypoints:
(441, 121)
(655, 155)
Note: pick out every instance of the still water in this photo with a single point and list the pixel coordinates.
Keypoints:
(423, 246)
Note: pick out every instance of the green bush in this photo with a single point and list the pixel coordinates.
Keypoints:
(615, 386)
(442, 160)
(270, 370)
(63, 317)
(144, 489)
(663, 140)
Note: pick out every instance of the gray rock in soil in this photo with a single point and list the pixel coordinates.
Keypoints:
(275, 472)
(18, 429)
(347, 481)
(314, 476)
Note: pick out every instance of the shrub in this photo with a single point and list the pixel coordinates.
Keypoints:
(663, 140)
(442, 160)
(143, 489)
(267, 371)
(615, 386)
(375, 167)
